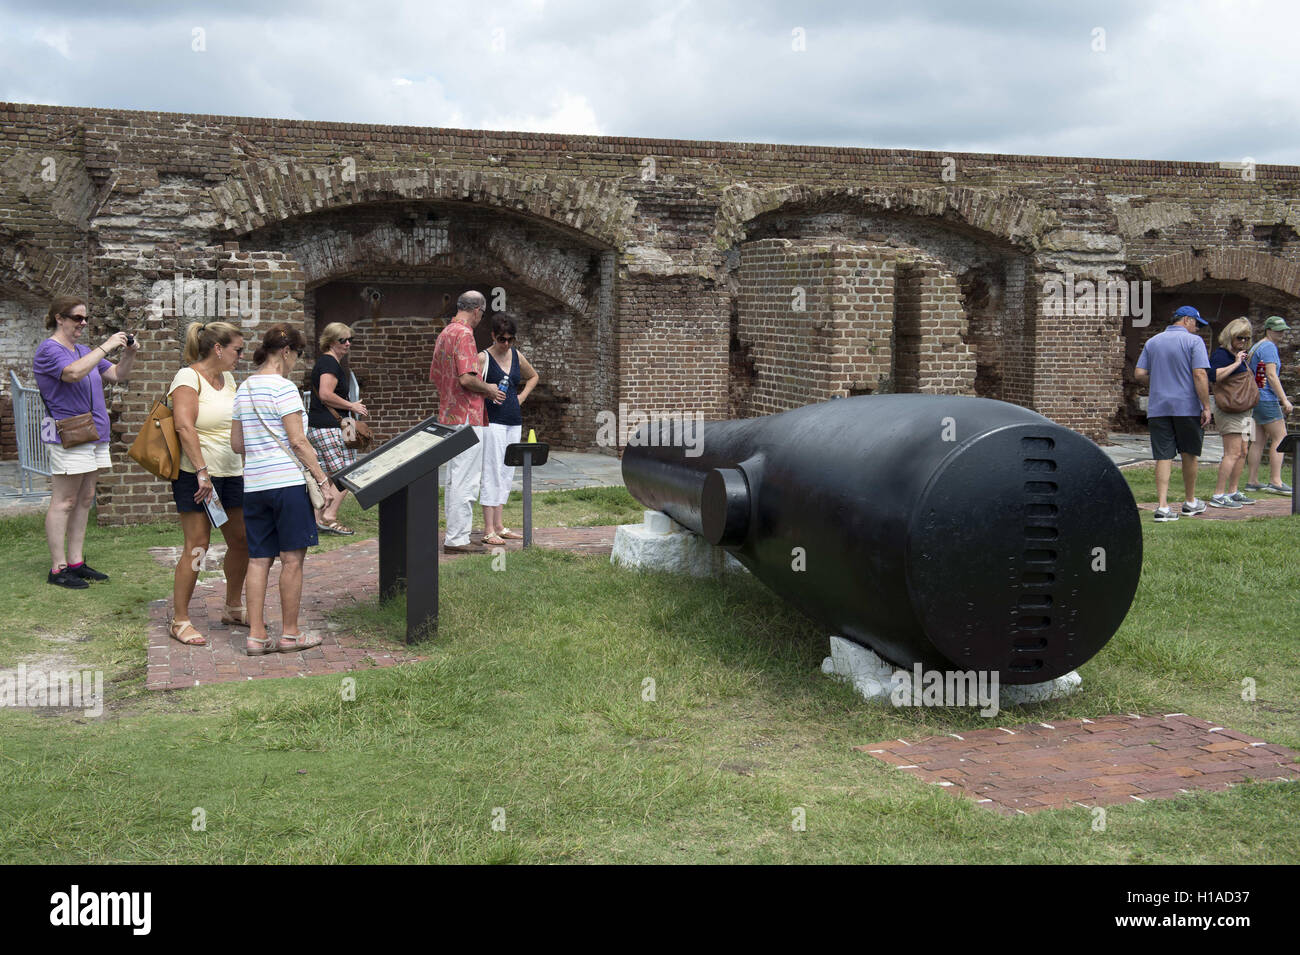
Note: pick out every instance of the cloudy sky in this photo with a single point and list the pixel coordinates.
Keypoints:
(1208, 80)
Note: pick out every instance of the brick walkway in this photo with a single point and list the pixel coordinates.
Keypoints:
(331, 580)
(1269, 505)
(1110, 760)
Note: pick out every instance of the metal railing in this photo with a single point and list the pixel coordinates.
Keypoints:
(29, 414)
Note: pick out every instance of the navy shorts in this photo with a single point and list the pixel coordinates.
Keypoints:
(1172, 435)
(279, 520)
(230, 492)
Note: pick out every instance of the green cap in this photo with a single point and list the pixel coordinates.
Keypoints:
(1276, 323)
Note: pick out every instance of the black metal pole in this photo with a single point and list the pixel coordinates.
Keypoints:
(528, 498)
(422, 559)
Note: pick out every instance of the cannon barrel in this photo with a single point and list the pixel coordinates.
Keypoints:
(955, 532)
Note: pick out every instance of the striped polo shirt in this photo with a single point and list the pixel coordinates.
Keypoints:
(266, 466)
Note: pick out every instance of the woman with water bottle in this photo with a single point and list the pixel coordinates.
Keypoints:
(502, 365)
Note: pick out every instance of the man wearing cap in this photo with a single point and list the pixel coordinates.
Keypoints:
(1270, 413)
(1175, 364)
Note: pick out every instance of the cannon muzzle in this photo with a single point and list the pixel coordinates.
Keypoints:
(959, 533)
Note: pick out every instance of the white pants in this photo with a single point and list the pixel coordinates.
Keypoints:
(497, 477)
(463, 473)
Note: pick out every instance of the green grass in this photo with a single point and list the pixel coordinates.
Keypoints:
(1142, 481)
(531, 702)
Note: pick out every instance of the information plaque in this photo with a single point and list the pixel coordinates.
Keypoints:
(402, 477)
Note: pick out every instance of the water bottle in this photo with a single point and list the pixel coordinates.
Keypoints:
(503, 385)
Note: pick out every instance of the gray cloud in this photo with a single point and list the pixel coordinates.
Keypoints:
(1197, 80)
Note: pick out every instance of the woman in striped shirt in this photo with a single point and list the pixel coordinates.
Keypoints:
(267, 429)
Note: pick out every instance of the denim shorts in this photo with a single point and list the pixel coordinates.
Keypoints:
(279, 520)
(229, 491)
(1267, 411)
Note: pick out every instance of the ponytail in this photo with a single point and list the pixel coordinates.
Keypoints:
(202, 337)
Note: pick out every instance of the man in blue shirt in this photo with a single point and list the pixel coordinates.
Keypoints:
(1270, 414)
(1178, 409)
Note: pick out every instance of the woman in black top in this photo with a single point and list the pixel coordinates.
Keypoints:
(325, 424)
(1236, 428)
(502, 365)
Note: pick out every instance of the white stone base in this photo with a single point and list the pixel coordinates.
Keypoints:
(874, 678)
(660, 543)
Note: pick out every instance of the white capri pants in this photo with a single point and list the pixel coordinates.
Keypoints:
(497, 476)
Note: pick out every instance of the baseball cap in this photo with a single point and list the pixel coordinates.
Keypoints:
(1187, 310)
(1276, 323)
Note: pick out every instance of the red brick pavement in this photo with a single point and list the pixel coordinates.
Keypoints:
(1110, 760)
(331, 580)
(1267, 505)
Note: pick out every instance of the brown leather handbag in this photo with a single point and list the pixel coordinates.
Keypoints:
(357, 437)
(1238, 392)
(156, 448)
(78, 430)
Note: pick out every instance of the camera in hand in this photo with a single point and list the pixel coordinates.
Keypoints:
(130, 339)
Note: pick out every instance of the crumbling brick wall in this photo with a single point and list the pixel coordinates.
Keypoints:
(634, 244)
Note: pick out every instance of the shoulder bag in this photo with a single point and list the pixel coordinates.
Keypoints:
(1238, 392)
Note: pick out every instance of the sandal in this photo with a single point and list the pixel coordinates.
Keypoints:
(510, 535)
(197, 640)
(263, 646)
(492, 540)
(334, 527)
(300, 641)
(234, 616)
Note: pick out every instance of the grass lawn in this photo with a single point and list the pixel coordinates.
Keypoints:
(1142, 480)
(530, 710)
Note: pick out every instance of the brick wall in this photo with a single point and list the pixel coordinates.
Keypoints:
(631, 249)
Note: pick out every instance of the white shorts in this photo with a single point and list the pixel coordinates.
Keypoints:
(497, 478)
(82, 459)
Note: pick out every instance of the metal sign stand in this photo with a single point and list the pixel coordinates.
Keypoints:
(402, 478)
(528, 455)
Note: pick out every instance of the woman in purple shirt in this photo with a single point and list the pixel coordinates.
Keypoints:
(71, 379)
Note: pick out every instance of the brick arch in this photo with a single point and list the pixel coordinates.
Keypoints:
(258, 194)
(1011, 219)
(38, 273)
(1259, 268)
(329, 254)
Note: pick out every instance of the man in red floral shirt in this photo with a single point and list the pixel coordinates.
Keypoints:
(454, 371)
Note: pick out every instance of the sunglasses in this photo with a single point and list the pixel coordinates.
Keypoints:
(345, 341)
(79, 319)
(505, 339)
(1241, 338)
(239, 350)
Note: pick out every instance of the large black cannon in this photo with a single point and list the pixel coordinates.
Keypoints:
(959, 533)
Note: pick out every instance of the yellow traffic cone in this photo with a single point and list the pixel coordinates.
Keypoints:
(532, 436)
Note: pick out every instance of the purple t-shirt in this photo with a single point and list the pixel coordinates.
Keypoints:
(1169, 358)
(64, 399)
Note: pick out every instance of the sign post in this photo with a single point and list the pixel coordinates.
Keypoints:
(528, 454)
(402, 477)
(1289, 445)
